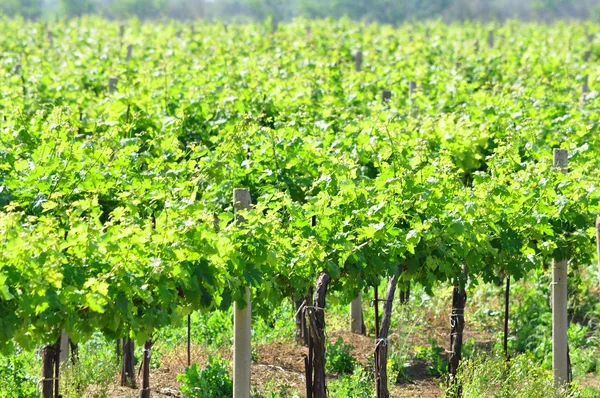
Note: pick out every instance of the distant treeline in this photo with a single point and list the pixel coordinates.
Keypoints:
(388, 11)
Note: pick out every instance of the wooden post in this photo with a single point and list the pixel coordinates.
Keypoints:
(585, 89)
(386, 95)
(17, 69)
(356, 316)
(129, 52)
(128, 363)
(57, 369)
(189, 341)
(64, 347)
(112, 84)
(490, 39)
(381, 347)
(376, 306)
(118, 350)
(405, 293)
(412, 87)
(121, 32)
(506, 308)
(307, 376)
(457, 325)
(598, 240)
(560, 322)
(299, 305)
(317, 335)
(309, 360)
(305, 328)
(242, 354)
(145, 393)
(48, 359)
(50, 37)
(587, 55)
(358, 60)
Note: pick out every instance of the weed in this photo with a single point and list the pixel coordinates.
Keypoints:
(339, 358)
(213, 381)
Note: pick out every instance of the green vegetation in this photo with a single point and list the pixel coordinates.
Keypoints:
(339, 357)
(116, 177)
(492, 376)
(16, 378)
(357, 385)
(211, 382)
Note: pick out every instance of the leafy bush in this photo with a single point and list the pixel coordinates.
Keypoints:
(272, 390)
(437, 364)
(97, 353)
(155, 358)
(213, 381)
(15, 382)
(397, 368)
(531, 321)
(339, 357)
(491, 376)
(357, 385)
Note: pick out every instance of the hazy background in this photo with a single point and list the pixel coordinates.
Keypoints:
(390, 11)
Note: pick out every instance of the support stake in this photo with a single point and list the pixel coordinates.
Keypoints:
(242, 354)
(560, 322)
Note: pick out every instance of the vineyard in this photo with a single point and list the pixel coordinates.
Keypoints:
(159, 180)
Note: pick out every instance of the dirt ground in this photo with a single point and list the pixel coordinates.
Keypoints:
(278, 364)
(281, 364)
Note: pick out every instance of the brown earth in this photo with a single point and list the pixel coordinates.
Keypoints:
(278, 366)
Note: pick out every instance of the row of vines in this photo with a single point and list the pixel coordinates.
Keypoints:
(416, 154)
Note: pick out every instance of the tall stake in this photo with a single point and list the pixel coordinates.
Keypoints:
(316, 317)
(598, 240)
(506, 302)
(301, 330)
(386, 96)
(457, 324)
(112, 84)
(64, 347)
(189, 341)
(356, 316)
(358, 59)
(560, 321)
(129, 52)
(412, 87)
(48, 370)
(309, 361)
(376, 307)
(145, 393)
(381, 347)
(242, 355)
(118, 350)
(57, 369)
(128, 363)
